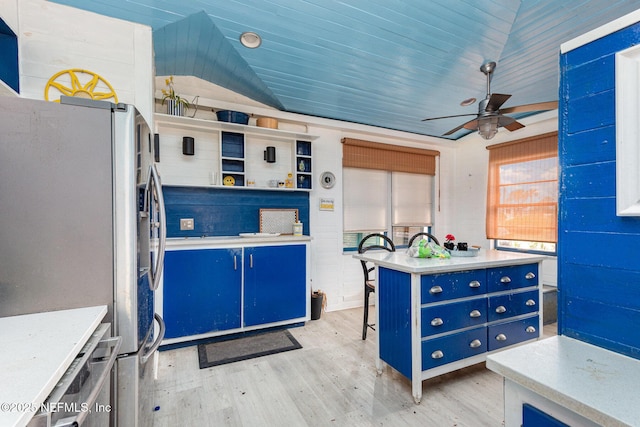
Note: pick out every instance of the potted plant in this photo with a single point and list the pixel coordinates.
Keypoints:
(449, 238)
(176, 105)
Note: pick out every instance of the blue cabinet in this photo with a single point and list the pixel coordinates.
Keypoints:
(201, 291)
(534, 417)
(274, 283)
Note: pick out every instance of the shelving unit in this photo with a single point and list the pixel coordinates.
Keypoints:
(230, 155)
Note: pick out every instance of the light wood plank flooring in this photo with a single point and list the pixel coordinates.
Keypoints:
(331, 381)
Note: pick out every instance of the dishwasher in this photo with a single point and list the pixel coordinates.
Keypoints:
(82, 397)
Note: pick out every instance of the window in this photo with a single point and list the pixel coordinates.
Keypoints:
(387, 189)
(522, 195)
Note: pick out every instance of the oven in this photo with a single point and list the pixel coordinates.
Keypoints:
(82, 397)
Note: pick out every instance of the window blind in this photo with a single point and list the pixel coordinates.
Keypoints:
(411, 199)
(365, 199)
(522, 194)
(358, 153)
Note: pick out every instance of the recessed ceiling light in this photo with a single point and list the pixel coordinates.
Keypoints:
(250, 39)
(468, 101)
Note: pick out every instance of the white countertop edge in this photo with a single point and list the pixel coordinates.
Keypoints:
(589, 380)
(213, 241)
(400, 261)
(31, 365)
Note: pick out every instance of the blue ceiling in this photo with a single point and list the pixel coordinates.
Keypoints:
(386, 63)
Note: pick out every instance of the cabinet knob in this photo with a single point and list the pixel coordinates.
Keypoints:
(435, 290)
(501, 309)
(437, 322)
(530, 303)
(530, 275)
(530, 329)
(501, 337)
(474, 284)
(475, 313)
(475, 344)
(438, 354)
(505, 280)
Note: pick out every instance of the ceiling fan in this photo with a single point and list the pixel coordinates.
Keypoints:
(490, 117)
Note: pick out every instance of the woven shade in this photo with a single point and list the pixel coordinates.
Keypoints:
(357, 153)
(522, 194)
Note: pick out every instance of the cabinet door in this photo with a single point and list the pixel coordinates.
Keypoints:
(201, 291)
(274, 283)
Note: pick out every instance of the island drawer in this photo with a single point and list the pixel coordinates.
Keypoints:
(446, 286)
(447, 349)
(510, 305)
(448, 317)
(514, 277)
(509, 333)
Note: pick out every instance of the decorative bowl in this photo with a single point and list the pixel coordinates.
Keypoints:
(232, 117)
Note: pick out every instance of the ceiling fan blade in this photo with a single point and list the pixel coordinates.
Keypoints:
(509, 123)
(471, 124)
(495, 101)
(448, 117)
(538, 106)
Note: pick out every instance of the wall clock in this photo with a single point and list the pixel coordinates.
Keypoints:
(327, 179)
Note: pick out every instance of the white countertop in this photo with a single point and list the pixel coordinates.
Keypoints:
(213, 241)
(598, 384)
(400, 261)
(36, 351)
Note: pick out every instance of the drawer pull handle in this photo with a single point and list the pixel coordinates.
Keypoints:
(475, 313)
(530, 329)
(530, 303)
(501, 337)
(438, 354)
(435, 290)
(475, 344)
(474, 284)
(436, 322)
(530, 275)
(505, 280)
(501, 309)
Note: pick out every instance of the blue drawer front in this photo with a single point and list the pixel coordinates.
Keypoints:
(442, 287)
(447, 317)
(507, 278)
(440, 351)
(509, 333)
(534, 417)
(509, 305)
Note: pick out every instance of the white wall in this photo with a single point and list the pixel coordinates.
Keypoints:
(53, 37)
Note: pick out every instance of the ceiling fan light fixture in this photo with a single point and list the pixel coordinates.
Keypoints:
(488, 128)
(250, 39)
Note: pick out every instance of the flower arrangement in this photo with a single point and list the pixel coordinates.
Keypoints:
(449, 238)
(170, 94)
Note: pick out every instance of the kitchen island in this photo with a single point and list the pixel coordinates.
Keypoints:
(36, 351)
(437, 315)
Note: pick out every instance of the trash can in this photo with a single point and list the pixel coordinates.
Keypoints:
(317, 298)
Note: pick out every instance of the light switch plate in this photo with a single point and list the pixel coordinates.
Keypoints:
(186, 223)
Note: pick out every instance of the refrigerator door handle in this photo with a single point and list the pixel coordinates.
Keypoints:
(152, 349)
(155, 272)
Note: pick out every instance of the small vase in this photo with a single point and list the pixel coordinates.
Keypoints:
(449, 245)
(174, 108)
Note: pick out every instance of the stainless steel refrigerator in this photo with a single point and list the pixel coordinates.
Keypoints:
(82, 224)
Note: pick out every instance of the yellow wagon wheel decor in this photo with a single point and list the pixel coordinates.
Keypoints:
(79, 83)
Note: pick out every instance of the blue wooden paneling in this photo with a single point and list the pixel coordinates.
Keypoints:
(394, 319)
(227, 212)
(598, 252)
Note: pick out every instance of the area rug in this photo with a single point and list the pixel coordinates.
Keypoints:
(263, 344)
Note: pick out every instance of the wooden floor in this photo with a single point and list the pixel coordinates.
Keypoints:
(331, 381)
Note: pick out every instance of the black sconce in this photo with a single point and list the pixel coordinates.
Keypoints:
(270, 155)
(188, 146)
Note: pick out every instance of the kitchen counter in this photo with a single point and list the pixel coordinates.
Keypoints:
(571, 381)
(400, 261)
(36, 351)
(234, 240)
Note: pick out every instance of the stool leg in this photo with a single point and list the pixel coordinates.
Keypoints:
(366, 313)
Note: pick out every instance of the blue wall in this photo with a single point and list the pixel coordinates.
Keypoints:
(227, 212)
(598, 252)
(9, 54)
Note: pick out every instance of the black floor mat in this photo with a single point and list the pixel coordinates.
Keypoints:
(222, 352)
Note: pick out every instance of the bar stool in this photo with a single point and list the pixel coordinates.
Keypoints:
(369, 284)
(424, 233)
